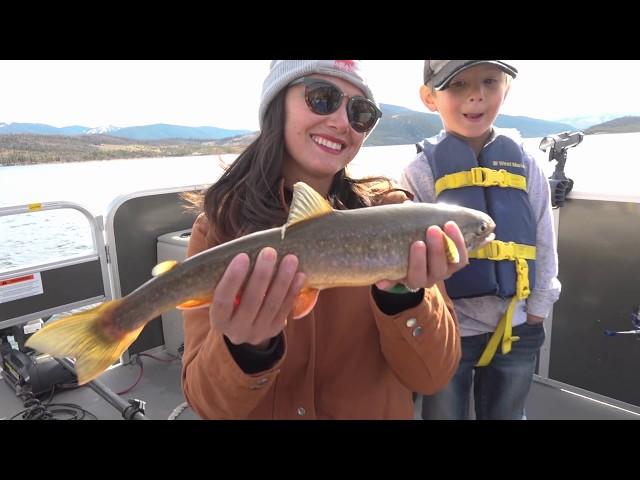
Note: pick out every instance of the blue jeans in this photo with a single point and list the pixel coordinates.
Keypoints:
(500, 389)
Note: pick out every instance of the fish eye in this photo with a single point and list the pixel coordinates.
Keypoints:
(483, 227)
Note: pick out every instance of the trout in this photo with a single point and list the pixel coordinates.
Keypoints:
(335, 248)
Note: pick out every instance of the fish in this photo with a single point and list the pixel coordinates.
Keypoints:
(335, 248)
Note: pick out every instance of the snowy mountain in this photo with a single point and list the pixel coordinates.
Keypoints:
(143, 132)
(102, 130)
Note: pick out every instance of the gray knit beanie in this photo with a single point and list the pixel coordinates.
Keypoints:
(283, 72)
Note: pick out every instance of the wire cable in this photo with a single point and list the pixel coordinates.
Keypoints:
(138, 360)
(140, 373)
(169, 360)
(35, 409)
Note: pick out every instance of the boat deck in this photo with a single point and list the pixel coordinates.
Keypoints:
(159, 386)
(582, 355)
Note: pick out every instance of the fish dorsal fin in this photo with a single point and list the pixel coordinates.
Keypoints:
(163, 267)
(306, 204)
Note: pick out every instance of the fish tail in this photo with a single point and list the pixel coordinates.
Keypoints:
(82, 336)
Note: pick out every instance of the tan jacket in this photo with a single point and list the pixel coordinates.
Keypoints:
(345, 360)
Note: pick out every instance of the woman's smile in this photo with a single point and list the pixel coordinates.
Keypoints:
(328, 144)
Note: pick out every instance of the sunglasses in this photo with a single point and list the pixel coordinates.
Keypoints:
(324, 98)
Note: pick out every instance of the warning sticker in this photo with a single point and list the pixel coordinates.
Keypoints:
(20, 287)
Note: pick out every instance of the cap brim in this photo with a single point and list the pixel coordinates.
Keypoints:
(505, 67)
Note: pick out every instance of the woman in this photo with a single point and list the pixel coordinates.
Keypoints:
(361, 352)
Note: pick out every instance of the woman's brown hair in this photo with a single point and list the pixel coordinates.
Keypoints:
(248, 197)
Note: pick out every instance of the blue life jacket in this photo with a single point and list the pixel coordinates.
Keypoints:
(508, 206)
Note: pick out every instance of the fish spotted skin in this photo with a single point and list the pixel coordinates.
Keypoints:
(345, 248)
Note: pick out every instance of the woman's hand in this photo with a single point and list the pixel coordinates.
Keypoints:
(265, 302)
(428, 262)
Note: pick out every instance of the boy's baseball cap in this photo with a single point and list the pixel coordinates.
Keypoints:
(440, 72)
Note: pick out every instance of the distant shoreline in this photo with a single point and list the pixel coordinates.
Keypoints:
(35, 149)
(74, 160)
(29, 149)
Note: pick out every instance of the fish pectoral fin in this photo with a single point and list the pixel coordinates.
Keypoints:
(195, 303)
(163, 267)
(453, 255)
(305, 301)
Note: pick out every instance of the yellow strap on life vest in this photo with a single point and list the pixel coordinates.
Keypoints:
(481, 177)
(503, 330)
(522, 279)
(497, 250)
(519, 254)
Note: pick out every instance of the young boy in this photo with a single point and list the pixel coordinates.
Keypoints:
(502, 297)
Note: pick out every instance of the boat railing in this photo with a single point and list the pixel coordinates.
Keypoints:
(44, 289)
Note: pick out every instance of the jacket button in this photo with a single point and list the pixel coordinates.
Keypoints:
(261, 383)
(417, 331)
(301, 411)
(411, 322)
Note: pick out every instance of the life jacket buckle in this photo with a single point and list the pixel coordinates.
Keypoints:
(477, 176)
(487, 177)
(502, 250)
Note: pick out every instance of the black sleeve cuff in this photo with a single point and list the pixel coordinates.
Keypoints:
(392, 303)
(252, 360)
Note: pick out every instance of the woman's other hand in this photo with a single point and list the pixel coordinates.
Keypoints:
(428, 260)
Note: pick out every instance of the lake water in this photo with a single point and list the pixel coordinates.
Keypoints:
(604, 165)
(40, 237)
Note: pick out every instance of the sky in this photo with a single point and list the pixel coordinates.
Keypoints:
(226, 93)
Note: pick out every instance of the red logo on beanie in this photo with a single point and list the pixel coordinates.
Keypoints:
(346, 65)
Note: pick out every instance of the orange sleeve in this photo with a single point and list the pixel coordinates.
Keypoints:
(426, 335)
(422, 344)
(213, 384)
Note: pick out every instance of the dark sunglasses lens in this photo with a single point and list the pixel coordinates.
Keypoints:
(362, 114)
(323, 99)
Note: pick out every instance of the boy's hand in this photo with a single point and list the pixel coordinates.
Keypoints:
(534, 320)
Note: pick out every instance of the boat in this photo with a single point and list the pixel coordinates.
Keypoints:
(586, 366)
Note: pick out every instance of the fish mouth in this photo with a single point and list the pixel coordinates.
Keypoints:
(484, 241)
(478, 239)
